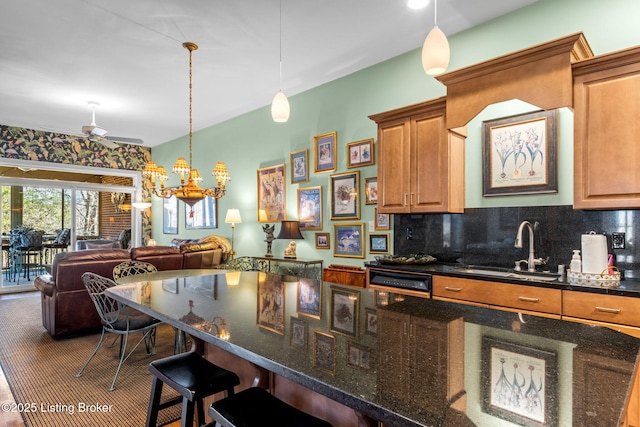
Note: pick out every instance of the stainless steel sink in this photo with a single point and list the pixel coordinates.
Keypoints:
(507, 273)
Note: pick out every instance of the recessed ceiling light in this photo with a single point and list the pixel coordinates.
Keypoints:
(417, 4)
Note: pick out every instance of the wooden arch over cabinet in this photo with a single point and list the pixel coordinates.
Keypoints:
(540, 75)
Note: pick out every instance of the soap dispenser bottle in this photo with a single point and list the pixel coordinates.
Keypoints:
(576, 262)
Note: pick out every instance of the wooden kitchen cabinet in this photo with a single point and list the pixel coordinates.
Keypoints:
(420, 161)
(606, 127)
(420, 360)
(505, 296)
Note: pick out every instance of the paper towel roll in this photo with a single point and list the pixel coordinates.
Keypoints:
(594, 253)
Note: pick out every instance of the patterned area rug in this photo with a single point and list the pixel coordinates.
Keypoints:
(41, 373)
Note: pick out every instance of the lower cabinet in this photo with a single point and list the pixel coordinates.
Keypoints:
(420, 360)
(506, 296)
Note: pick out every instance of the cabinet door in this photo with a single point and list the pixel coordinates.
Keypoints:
(606, 129)
(393, 166)
(428, 164)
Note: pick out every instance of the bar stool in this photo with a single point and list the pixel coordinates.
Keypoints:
(194, 377)
(255, 407)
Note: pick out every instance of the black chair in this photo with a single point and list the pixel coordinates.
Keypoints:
(195, 378)
(256, 407)
(60, 243)
(118, 319)
(26, 253)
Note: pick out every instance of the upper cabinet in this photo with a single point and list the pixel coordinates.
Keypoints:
(606, 92)
(420, 162)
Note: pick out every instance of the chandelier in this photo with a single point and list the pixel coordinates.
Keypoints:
(190, 193)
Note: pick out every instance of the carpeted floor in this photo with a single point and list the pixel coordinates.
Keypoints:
(41, 373)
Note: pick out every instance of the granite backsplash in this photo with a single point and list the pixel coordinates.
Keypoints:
(486, 236)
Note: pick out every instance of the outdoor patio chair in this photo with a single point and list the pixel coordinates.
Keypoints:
(118, 319)
(132, 268)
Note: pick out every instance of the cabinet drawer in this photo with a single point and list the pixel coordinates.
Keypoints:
(522, 297)
(603, 308)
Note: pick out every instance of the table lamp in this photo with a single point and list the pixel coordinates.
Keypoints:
(290, 230)
(233, 217)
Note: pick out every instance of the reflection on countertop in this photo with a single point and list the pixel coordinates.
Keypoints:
(403, 360)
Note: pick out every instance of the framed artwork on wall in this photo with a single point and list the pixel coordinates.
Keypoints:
(300, 166)
(323, 240)
(382, 221)
(203, 214)
(379, 243)
(519, 155)
(170, 215)
(359, 356)
(345, 195)
(271, 194)
(348, 240)
(371, 191)
(324, 152)
(310, 208)
(360, 153)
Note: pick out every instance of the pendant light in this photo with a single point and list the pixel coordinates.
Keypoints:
(435, 50)
(280, 109)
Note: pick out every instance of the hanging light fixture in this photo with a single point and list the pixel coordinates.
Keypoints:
(190, 193)
(435, 50)
(280, 109)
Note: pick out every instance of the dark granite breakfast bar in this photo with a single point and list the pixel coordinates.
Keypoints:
(401, 360)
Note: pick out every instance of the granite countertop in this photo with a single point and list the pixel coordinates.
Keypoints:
(627, 287)
(442, 370)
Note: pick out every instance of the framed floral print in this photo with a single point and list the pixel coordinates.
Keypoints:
(345, 195)
(271, 194)
(310, 208)
(324, 149)
(360, 153)
(300, 166)
(519, 154)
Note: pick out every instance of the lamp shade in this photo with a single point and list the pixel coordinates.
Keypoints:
(233, 216)
(290, 230)
(280, 109)
(141, 205)
(435, 52)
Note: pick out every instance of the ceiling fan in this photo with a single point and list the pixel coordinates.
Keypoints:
(97, 134)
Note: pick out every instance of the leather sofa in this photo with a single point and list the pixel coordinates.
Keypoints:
(67, 309)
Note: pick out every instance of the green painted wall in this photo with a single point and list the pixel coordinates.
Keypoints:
(252, 141)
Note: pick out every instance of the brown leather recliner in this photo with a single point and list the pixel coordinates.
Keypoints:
(67, 308)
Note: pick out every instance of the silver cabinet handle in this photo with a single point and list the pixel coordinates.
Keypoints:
(528, 299)
(405, 199)
(411, 200)
(608, 310)
(447, 288)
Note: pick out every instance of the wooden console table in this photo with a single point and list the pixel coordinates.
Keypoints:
(300, 267)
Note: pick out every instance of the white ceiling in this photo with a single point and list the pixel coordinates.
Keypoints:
(55, 56)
